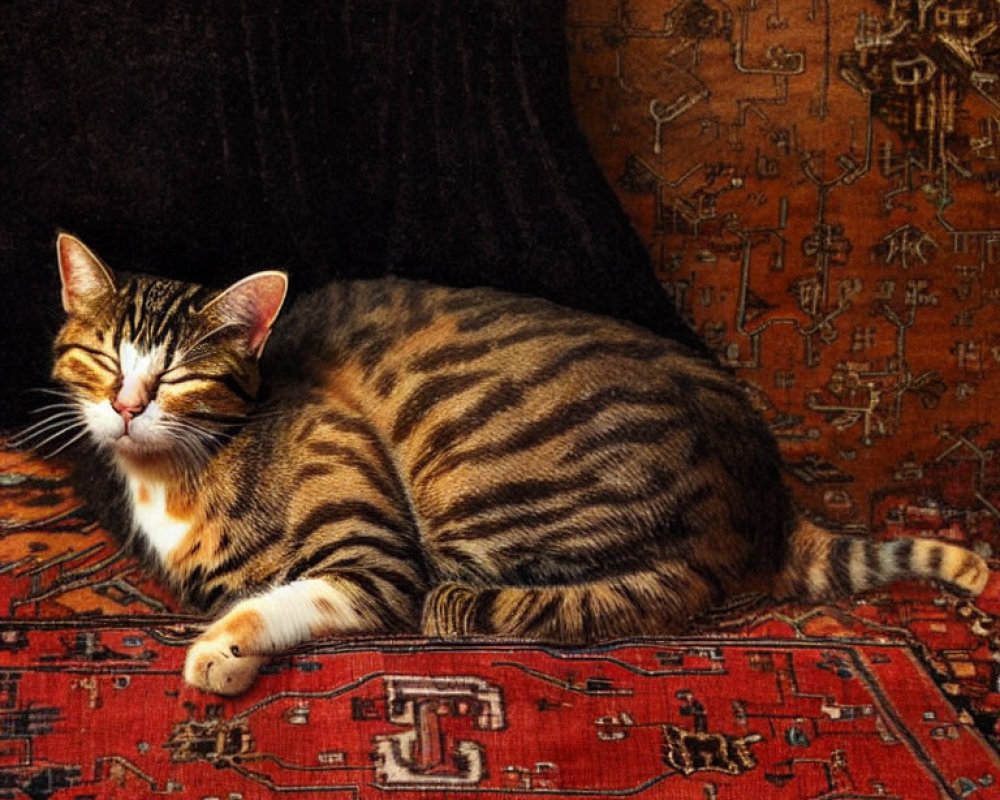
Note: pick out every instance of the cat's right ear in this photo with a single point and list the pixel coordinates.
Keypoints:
(251, 304)
(85, 280)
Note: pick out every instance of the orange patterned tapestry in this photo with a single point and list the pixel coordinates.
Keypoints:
(819, 186)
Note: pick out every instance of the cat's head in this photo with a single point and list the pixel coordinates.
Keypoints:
(159, 370)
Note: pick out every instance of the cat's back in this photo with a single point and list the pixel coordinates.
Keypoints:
(512, 415)
(412, 327)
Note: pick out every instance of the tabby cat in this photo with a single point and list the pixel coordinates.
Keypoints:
(412, 458)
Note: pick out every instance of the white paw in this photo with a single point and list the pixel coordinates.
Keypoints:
(213, 666)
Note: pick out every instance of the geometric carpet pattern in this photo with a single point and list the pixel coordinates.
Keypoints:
(818, 185)
(890, 695)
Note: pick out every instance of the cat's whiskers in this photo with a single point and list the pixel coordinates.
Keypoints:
(55, 414)
(47, 425)
(63, 446)
(65, 423)
(48, 390)
(54, 406)
(194, 441)
(185, 453)
(187, 424)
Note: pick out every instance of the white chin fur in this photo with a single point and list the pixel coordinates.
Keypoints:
(103, 422)
(107, 428)
(145, 428)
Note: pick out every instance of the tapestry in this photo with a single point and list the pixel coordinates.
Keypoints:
(819, 186)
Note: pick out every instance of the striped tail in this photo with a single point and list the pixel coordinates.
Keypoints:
(823, 564)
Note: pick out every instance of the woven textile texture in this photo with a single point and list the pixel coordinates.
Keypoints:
(889, 696)
(819, 186)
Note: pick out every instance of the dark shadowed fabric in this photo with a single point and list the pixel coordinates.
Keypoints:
(429, 139)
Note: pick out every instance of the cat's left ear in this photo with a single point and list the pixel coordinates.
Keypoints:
(252, 304)
(85, 280)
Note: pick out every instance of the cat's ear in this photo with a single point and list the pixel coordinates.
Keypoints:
(85, 280)
(252, 304)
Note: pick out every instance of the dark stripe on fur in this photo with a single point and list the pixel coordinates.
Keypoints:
(500, 398)
(317, 557)
(221, 419)
(903, 555)
(378, 450)
(391, 618)
(226, 379)
(100, 357)
(629, 433)
(429, 394)
(396, 547)
(332, 513)
(370, 354)
(362, 430)
(310, 471)
(596, 351)
(324, 562)
(482, 619)
(385, 383)
(167, 310)
(544, 614)
(560, 421)
(657, 486)
(449, 355)
(839, 566)
(402, 582)
(620, 586)
(384, 485)
(248, 550)
(515, 493)
(203, 601)
(533, 333)
(935, 559)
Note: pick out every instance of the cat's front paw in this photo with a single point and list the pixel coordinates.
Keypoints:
(214, 665)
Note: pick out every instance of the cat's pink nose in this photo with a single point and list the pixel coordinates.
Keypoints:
(133, 408)
(131, 400)
(128, 411)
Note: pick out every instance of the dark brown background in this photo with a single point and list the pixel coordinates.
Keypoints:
(431, 139)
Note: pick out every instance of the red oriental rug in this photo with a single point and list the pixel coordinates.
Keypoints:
(886, 696)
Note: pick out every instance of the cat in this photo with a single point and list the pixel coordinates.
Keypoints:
(399, 457)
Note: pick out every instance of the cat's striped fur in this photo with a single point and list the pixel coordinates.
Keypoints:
(411, 457)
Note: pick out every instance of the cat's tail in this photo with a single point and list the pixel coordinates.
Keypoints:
(822, 564)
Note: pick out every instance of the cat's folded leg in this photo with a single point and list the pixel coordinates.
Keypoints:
(225, 659)
(659, 600)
